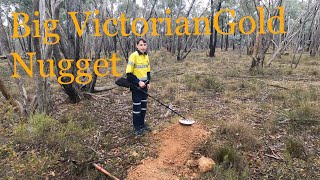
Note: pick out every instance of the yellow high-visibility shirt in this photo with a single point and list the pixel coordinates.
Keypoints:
(139, 65)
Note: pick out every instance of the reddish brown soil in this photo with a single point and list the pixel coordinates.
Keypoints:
(175, 147)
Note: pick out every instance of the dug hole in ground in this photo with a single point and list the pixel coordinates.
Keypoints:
(175, 145)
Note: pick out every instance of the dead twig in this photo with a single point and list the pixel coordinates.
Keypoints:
(273, 156)
(278, 86)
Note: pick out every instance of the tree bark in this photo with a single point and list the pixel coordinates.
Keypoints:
(212, 31)
(215, 40)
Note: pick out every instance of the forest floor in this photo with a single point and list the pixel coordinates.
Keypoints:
(261, 124)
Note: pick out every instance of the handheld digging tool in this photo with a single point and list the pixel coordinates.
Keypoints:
(123, 82)
(105, 172)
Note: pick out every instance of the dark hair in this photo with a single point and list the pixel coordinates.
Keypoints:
(141, 39)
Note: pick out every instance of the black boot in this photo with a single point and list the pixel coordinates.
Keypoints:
(144, 127)
(137, 121)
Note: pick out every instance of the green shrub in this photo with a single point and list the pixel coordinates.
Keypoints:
(295, 148)
(304, 107)
(227, 156)
(6, 152)
(234, 72)
(33, 165)
(314, 72)
(40, 129)
(257, 72)
(229, 162)
(192, 82)
(198, 83)
(238, 132)
(278, 96)
(289, 72)
(220, 173)
(224, 155)
(302, 95)
(212, 84)
(45, 141)
(303, 114)
(44, 130)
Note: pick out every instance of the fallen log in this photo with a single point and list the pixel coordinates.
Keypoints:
(104, 88)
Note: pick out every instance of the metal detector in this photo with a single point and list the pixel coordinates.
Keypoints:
(123, 82)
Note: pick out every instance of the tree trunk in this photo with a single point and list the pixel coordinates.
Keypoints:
(216, 32)
(212, 31)
(227, 36)
(262, 41)
(222, 28)
(68, 51)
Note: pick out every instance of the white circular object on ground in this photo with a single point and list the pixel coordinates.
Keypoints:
(186, 122)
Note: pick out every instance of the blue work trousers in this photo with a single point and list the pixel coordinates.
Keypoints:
(139, 100)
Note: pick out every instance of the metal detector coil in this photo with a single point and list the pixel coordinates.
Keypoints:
(186, 122)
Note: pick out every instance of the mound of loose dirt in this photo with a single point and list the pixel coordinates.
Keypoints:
(175, 146)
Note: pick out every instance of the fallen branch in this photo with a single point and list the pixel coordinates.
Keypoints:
(273, 156)
(278, 86)
(94, 96)
(271, 77)
(104, 88)
(167, 70)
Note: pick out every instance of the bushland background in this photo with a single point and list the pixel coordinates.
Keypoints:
(256, 95)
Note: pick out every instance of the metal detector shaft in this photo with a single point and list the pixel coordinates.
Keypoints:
(139, 89)
(162, 104)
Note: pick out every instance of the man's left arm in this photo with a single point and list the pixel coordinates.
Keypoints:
(148, 71)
